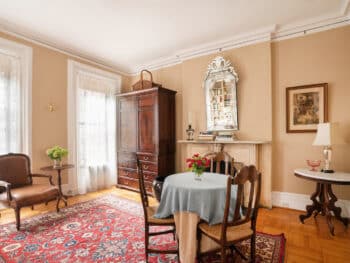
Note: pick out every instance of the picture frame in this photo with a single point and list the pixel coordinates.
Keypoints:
(306, 106)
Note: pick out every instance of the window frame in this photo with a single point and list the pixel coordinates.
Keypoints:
(25, 54)
(74, 68)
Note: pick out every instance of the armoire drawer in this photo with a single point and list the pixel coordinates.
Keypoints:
(147, 157)
(128, 173)
(149, 167)
(149, 176)
(134, 184)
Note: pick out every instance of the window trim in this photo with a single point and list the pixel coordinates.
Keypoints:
(25, 54)
(74, 68)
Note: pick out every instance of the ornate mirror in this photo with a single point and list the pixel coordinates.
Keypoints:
(221, 96)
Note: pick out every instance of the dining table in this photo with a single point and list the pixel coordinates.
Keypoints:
(190, 200)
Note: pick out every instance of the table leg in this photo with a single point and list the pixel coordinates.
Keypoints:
(324, 205)
(327, 212)
(62, 197)
(316, 205)
(336, 210)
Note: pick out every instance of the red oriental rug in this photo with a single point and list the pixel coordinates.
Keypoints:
(106, 229)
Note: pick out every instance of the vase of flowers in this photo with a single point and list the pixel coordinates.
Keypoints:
(197, 165)
(56, 154)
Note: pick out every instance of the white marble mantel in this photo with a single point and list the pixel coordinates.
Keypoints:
(223, 142)
(248, 152)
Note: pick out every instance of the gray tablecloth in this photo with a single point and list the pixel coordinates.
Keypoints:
(181, 192)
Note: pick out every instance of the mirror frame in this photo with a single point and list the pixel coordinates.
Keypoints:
(220, 70)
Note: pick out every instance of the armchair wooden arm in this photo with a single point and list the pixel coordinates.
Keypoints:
(44, 176)
(7, 186)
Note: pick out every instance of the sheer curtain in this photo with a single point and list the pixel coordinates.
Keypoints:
(96, 132)
(10, 105)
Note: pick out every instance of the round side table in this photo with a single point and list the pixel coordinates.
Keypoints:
(59, 178)
(323, 199)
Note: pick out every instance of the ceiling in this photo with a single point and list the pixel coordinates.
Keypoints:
(130, 34)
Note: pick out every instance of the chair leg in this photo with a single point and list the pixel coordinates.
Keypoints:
(223, 254)
(146, 242)
(232, 251)
(174, 233)
(18, 219)
(178, 250)
(252, 248)
(199, 238)
(238, 252)
(57, 204)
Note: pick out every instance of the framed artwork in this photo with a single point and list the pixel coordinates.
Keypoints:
(306, 107)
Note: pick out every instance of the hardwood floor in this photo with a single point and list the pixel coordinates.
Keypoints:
(309, 242)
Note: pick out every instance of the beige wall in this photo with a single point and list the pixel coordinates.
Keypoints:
(49, 85)
(264, 69)
(316, 58)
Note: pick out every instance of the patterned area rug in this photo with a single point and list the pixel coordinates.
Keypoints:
(106, 229)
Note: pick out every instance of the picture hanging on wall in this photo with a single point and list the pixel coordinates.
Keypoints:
(306, 107)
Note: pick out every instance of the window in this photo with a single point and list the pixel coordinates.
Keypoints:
(92, 127)
(15, 89)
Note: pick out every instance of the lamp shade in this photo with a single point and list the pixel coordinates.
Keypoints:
(327, 134)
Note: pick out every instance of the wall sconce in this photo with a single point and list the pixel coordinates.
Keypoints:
(51, 107)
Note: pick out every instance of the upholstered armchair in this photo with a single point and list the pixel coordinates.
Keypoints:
(16, 185)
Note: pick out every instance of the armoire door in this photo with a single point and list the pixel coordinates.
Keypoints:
(127, 124)
(147, 124)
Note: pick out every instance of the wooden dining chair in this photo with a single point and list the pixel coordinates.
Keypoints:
(242, 225)
(149, 212)
(221, 162)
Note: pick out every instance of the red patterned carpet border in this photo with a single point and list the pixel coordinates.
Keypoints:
(106, 229)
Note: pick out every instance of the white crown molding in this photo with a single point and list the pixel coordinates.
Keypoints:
(311, 26)
(245, 39)
(299, 202)
(20, 33)
(270, 33)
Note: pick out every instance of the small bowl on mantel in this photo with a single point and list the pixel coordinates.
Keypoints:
(313, 164)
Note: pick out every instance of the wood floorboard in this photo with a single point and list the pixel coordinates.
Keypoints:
(309, 242)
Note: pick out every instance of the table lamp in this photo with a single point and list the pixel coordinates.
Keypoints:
(327, 135)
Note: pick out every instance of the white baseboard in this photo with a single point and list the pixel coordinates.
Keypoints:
(299, 202)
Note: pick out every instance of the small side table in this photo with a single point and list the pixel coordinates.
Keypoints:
(323, 199)
(59, 178)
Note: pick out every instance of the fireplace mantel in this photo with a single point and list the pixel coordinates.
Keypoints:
(257, 142)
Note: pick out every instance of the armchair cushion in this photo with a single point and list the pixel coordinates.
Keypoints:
(31, 194)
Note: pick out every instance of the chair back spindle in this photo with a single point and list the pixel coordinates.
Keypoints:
(219, 158)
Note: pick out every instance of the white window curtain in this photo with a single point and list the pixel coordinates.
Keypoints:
(94, 133)
(10, 105)
(15, 97)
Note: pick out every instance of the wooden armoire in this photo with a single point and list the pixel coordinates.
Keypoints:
(145, 128)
